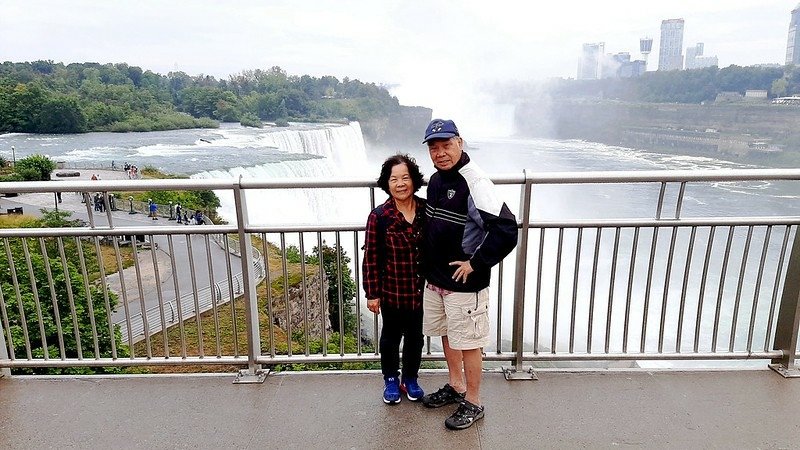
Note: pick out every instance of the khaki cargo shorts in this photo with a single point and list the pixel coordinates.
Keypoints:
(461, 316)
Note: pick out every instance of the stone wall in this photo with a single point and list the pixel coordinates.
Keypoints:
(731, 128)
(304, 306)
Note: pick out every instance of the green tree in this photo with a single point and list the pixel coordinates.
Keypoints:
(61, 115)
(35, 315)
(332, 257)
(35, 168)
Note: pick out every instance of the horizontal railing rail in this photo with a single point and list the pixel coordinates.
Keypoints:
(654, 281)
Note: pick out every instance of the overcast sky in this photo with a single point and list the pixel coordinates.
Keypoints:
(433, 52)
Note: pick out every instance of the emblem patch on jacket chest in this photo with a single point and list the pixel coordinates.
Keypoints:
(451, 193)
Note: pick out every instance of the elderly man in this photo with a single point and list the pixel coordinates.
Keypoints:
(469, 230)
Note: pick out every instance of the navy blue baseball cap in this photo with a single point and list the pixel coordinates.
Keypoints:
(440, 129)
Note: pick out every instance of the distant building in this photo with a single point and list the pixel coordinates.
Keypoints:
(670, 52)
(755, 94)
(619, 65)
(696, 60)
(645, 47)
(590, 65)
(793, 44)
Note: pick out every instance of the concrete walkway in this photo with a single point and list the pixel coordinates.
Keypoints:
(733, 409)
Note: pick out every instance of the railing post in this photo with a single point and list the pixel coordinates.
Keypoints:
(786, 330)
(254, 373)
(4, 372)
(518, 372)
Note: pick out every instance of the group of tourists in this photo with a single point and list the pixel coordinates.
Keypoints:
(131, 170)
(427, 266)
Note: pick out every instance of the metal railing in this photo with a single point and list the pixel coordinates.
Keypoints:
(636, 286)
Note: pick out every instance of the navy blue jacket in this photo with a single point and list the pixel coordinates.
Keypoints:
(466, 221)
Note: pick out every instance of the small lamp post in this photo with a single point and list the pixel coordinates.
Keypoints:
(130, 200)
(171, 214)
(13, 156)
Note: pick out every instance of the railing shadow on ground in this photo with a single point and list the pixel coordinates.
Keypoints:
(643, 285)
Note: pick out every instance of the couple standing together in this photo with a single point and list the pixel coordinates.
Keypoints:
(426, 269)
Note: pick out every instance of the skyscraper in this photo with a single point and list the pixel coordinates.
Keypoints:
(670, 51)
(696, 60)
(589, 67)
(793, 45)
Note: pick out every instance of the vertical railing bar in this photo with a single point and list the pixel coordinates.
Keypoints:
(702, 292)
(499, 341)
(648, 287)
(661, 199)
(357, 267)
(232, 297)
(679, 205)
(686, 272)
(195, 297)
(22, 317)
(109, 216)
(665, 294)
(537, 307)
(106, 295)
(35, 292)
(788, 317)
(70, 297)
(142, 303)
(248, 278)
(176, 287)
(123, 293)
(53, 299)
(90, 303)
(737, 302)
(323, 304)
(268, 278)
(304, 289)
(88, 200)
(759, 278)
(520, 277)
(556, 290)
(160, 296)
(574, 305)
(341, 294)
(776, 285)
(7, 328)
(629, 299)
(721, 291)
(593, 287)
(287, 305)
(611, 282)
(212, 282)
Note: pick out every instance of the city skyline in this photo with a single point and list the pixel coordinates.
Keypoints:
(436, 53)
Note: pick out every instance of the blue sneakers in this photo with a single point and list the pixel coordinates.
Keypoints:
(391, 393)
(412, 389)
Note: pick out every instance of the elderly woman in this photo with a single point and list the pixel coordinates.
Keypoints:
(393, 280)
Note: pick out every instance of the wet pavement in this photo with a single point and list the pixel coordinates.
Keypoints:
(606, 409)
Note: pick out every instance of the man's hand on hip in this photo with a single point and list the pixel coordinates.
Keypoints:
(462, 271)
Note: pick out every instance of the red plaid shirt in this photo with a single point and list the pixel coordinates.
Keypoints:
(397, 282)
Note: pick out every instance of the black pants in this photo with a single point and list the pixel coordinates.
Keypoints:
(399, 324)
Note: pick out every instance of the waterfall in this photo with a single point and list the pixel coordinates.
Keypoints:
(330, 151)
